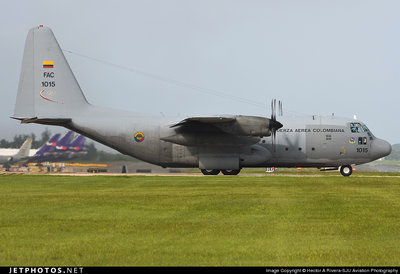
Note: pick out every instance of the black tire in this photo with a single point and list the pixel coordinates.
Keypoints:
(230, 171)
(346, 170)
(210, 171)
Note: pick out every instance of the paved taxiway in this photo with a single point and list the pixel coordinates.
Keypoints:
(198, 175)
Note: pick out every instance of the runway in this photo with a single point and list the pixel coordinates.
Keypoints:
(362, 175)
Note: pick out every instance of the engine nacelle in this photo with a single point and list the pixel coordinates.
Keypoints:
(248, 126)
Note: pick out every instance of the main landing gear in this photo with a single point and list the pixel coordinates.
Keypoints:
(217, 171)
(346, 170)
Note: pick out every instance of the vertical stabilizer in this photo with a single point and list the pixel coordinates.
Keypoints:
(45, 147)
(63, 143)
(47, 87)
(24, 150)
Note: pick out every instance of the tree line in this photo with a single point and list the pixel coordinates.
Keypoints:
(19, 139)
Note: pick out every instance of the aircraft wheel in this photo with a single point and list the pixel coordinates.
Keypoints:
(230, 171)
(210, 171)
(346, 170)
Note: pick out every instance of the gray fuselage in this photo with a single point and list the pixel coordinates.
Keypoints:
(303, 142)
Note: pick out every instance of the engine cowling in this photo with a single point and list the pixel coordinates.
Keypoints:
(250, 126)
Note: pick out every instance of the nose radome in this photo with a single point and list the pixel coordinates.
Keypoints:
(380, 148)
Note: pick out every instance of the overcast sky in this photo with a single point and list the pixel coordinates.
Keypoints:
(206, 57)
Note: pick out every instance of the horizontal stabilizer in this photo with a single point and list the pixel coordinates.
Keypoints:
(54, 122)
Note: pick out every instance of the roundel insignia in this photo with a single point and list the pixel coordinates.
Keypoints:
(352, 140)
(139, 137)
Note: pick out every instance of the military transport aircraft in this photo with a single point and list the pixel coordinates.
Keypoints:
(49, 94)
(22, 154)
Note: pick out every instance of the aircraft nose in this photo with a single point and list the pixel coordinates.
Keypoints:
(380, 148)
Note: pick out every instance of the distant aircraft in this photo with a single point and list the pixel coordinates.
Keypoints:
(22, 154)
(49, 94)
(77, 148)
(52, 149)
(40, 154)
(60, 149)
(68, 147)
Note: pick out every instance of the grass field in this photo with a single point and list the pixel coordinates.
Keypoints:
(199, 221)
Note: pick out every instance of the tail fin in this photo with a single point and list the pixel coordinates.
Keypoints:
(48, 91)
(78, 141)
(63, 143)
(50, 143)
(24, 150)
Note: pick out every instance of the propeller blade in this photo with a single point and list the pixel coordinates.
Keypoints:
(273, 109)
(274, 125)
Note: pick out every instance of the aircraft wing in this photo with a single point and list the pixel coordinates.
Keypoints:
(239, 125)
(221, 130)
(206, 120)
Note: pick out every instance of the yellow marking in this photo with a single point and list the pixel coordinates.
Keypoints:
(48, 63)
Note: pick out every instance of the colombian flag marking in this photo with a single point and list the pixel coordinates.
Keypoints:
(48, 64)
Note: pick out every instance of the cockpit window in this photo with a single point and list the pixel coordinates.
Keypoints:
(358, 128)
(365, 128)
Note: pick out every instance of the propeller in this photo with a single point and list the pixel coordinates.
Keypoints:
(274, 125)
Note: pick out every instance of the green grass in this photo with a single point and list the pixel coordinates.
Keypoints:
(199, 221)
